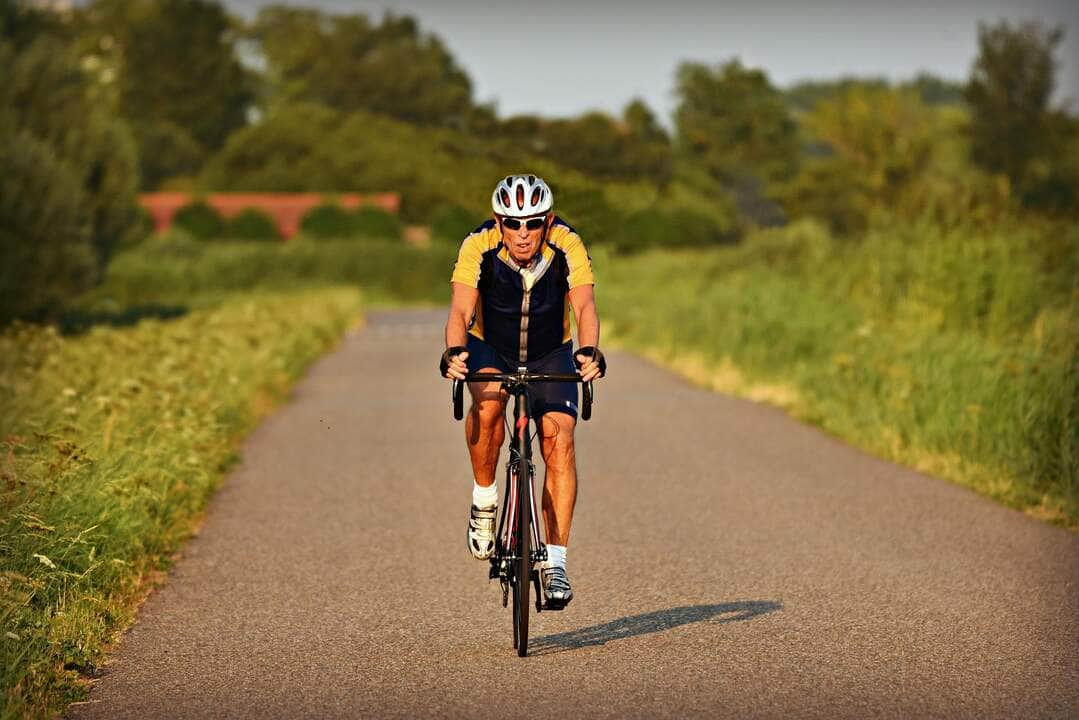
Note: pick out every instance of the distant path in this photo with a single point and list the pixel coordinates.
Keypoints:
(727, 561)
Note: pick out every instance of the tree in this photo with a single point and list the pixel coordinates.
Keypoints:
(731, 121)
(805, 94)
(347, 63)
(306, 147)
(651, 151)
(1012, 127)
(886, 135)
(935, 90)
(46, 257)
(181, 85)
(67, 169)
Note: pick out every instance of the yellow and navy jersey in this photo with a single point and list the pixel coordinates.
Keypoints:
(523, 314)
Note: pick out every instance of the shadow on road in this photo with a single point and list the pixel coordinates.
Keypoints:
(653, 622)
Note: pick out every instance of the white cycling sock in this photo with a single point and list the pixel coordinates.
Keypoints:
(556, 555)
(484, 497)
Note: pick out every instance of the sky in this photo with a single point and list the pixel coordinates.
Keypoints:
(559, 58)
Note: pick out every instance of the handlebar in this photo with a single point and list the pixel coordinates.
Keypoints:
(520, 378)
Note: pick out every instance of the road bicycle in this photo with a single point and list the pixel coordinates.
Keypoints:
(518, 547)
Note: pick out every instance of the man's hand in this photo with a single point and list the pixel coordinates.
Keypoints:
(453, 363)
(590, 363)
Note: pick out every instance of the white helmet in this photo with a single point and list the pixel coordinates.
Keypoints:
(522, 196)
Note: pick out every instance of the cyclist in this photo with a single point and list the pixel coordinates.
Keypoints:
(516, 278)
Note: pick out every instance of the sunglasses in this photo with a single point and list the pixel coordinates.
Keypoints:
(531, 223)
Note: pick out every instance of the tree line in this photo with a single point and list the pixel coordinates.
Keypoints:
(113, 96)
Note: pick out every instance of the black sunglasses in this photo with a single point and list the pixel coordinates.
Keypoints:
(531, 223)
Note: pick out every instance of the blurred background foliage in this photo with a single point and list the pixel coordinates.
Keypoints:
(119, 96)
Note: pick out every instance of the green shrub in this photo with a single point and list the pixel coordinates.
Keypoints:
(199, 219)
(588, 211)
(451, 223)
(46, 253)
(327, 221)
(376, 222)
(252, 224)
(673, 228)
(141, 229)
(174, 269)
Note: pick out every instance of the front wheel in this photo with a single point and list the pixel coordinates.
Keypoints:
(523, 564)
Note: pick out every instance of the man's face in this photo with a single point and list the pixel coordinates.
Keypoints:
(524, 242)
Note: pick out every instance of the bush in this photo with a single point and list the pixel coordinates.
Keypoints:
(141, 228)
(46, 253)
(327, 221)
(680, 227)
(199, 219)
(451, 223)
(588, 211)
(172, 269)
(252, 224)
(376, 222)
(69, 180)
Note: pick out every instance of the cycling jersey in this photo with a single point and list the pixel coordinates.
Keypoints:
(523, 323)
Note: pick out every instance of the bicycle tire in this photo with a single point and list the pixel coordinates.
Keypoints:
(523, 588)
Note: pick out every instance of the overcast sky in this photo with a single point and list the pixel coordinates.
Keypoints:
(560, 58)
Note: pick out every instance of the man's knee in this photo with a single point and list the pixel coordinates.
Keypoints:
(488, 401)
(488, 411)
(557, 429)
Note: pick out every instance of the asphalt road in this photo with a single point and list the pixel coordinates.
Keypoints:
(726, 560)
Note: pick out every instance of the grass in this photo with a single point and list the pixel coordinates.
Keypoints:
(112, 442)
(951, 350)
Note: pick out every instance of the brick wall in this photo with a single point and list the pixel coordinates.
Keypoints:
(287, 209)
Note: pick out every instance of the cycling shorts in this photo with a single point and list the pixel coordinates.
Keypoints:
(546, 397)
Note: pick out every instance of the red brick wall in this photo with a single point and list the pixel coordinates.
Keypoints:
(287, 209)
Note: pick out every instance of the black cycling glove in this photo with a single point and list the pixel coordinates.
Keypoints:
(451, 352)
(593, 352)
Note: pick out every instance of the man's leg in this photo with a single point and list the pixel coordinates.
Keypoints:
(484, 433)
(559, 498)
(484, 428)
(560, 483)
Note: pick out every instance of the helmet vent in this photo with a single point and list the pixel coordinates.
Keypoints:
(521, 197)
(505, 196)
(536, 195)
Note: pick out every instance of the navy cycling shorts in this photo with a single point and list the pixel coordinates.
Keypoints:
(546, 397)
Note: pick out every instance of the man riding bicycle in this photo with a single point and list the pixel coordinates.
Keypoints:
(516, 278)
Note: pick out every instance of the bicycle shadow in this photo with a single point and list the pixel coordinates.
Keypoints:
(648, 623)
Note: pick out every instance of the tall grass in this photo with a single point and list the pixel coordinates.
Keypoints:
(112, 441)
(950, 349)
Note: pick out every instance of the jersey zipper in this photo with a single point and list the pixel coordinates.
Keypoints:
(525, 300)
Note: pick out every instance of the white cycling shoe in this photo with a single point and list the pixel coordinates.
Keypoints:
(556, 588)
(481, 532)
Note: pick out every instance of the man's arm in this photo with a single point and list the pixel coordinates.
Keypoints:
(583, 300)
(462, 307)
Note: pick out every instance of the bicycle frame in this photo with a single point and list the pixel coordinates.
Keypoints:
(520, 478)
